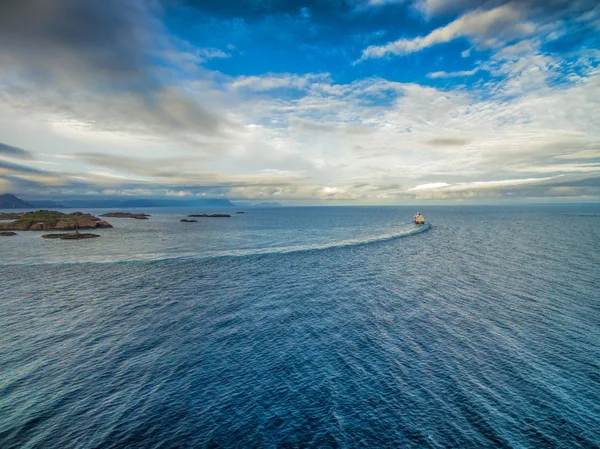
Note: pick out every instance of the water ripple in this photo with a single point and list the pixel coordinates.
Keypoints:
(467, 336)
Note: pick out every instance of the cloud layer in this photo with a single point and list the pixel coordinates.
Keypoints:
(265, 100)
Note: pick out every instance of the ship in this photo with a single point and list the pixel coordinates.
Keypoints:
(419, 219)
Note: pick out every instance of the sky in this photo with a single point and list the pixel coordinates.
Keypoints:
(308, 102)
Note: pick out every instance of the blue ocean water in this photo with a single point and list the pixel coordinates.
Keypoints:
(307, 327)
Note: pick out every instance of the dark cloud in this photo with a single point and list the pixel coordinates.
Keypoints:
(98, 63)
(10, 168)
(383, 188)
(39, 183)
(548, 159)
(19, 178)
(448, 141)
(170, 167)
(36, 183)
(108, 37)
(9, 150)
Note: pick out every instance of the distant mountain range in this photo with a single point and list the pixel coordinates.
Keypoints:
(145, 202)
(9, 201)
(46, 204)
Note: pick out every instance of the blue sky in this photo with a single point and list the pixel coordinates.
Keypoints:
(362, 101)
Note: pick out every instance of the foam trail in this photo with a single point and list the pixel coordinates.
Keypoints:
(406, 230)
(342, 243)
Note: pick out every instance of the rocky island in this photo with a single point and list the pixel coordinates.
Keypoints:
(70, 236)
(50, 220)
(7, 233)
(185, 220)
(210, 215)
(126, 215)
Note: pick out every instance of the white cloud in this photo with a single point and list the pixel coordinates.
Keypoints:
(211, 53)
(342, 142)
(423, 133)
(179, 193)
(333, 190)
(277, 81)
(443, 74)
(428, 186)
(477, 184)
(487, 28)
(370, 140)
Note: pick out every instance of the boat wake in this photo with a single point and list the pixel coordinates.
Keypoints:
(405, 230)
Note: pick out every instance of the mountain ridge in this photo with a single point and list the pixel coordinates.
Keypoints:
(10, 201)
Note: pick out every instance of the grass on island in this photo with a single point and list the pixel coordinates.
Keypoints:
(42, 215)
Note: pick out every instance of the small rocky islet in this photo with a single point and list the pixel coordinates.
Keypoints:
(126, 215)
(70, 236)
(50, 220)
(211, 215)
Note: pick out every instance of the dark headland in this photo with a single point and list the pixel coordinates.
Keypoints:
(9, 201)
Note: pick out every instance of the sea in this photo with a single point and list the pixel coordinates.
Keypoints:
(307, 327)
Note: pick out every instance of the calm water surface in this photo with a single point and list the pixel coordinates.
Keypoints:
(307, 327)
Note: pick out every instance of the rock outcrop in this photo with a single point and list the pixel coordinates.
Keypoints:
(210, 215)
(126, 215)
(70, 236)
(7, 233)
(185, 220)
(48, 220)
